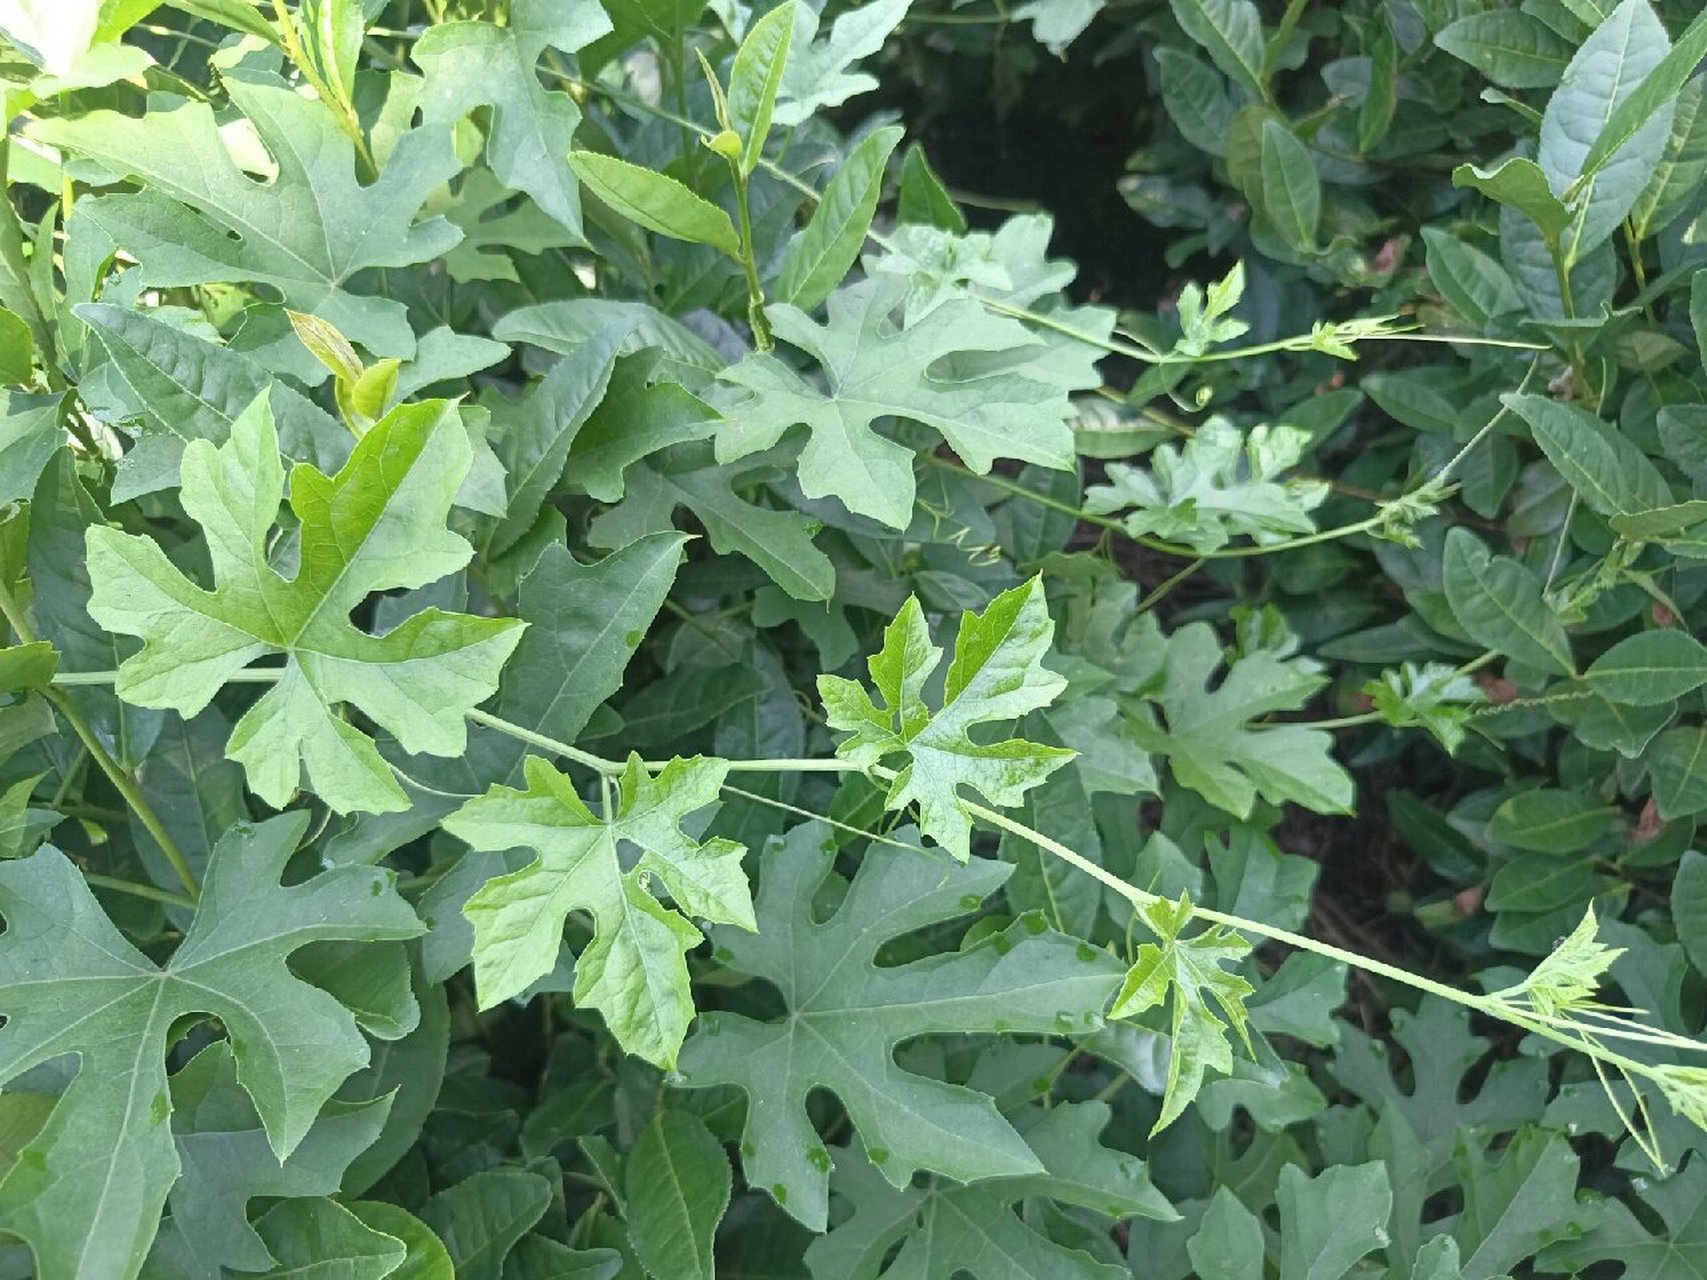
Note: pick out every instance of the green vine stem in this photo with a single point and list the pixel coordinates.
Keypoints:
(103, 758)
(339, 103)
(1581, 1026)
(749, 263)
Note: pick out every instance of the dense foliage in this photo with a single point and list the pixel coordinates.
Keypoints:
(613, 672)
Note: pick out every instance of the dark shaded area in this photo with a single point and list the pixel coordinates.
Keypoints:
(1009, 124)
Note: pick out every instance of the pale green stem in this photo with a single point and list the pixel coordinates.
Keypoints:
(1301, 342)
(1457, 460)
(125, 784)
(750, 265)
(139, 890)
(1570, 1035)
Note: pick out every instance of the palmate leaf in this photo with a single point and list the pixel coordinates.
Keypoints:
(1327, 1223)
(846, 1014)
(997, 675)
(633, 971)
(202, 220)
(1677, 1251)
(1187, 973)
(377, 525)
(1210, 744)
(779, 542)
(481, 64)
(1220, 485)
(87, 1190)
(584, 624)
(816, 74)
(948, 1229)
(874, 368)
(170, 386)
(227, 1162)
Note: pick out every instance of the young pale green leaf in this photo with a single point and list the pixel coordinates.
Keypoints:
(200, 219)
(481, 64)
(87, 1192)
(1230, 31)
(678, 1187)
(846, 1015)
(657, 202)
(633, 971)
(1219, 485)
(755, 77)
(997, 675)
(326, 345)
(1187, 974)
(17, 350)
(1566, 981)
(1291, 190)
(875, 367)
(332, 33)
(1434, 696)
(947, 1229)
(584, 624)
(819, 256)
(1649, 669)
(1208, 739)
(1498, 602)
(1551, 820)
(1605, 72)
(1510, 47)
(375, 526)
(1609, 473)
